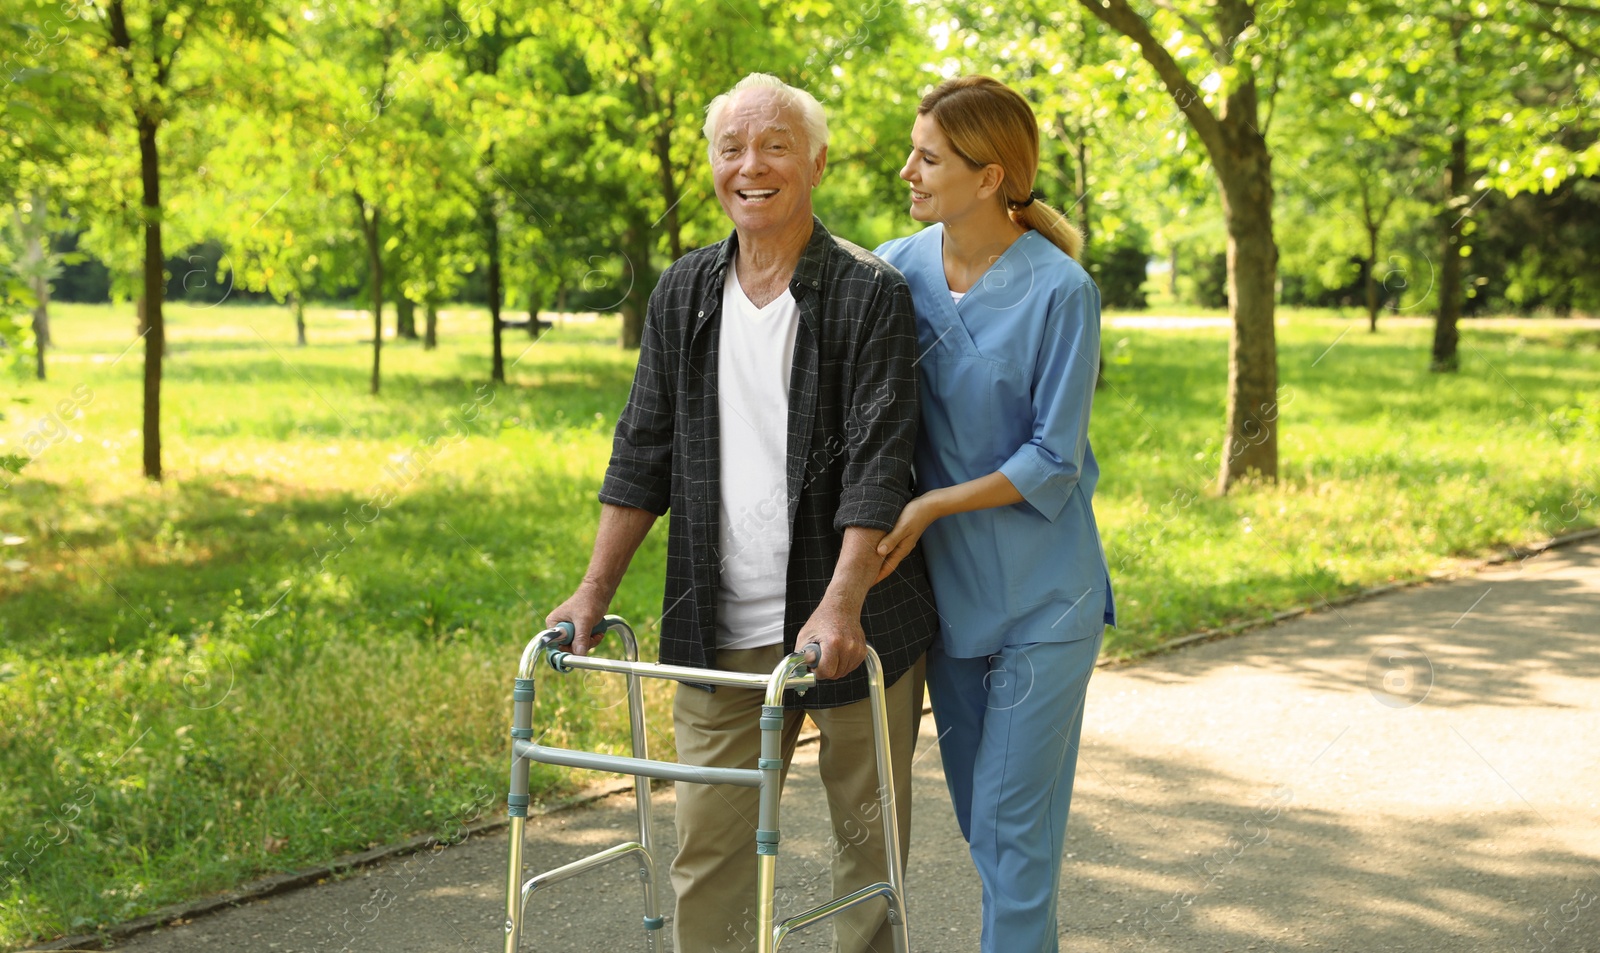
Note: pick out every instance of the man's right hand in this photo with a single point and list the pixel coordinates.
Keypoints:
(585, 609)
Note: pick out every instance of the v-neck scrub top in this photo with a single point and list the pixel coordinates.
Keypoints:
(1007, 379)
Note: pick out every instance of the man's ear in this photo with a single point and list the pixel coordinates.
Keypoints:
(818, 165)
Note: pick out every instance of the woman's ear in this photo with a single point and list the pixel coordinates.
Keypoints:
(992, 178)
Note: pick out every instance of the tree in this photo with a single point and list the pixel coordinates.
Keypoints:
(1484, 99)
(1235, 139)
(132, 58)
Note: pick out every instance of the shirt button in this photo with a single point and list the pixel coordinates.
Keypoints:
(701, 315)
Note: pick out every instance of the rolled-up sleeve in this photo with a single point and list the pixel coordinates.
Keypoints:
(881, 422)
(640, 472)
(1045, 470)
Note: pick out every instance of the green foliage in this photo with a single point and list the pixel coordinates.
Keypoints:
(1119, 271)
(1211, 281)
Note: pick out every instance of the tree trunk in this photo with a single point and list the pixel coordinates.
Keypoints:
(36, 265)
(1246, 178)
(369, 231)
(405, 318)
(1086, 218)
(491, 234)
(41, 322)
(1083, 192)
(636, 247)
(1372, 278)
(1238, 152)
(155, 340)
(1446, 334)
(430, 325)
(299, 306)
(534, 305)
(1172, 273)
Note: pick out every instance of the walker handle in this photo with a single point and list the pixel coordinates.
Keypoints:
(813, 654)
(569, 631)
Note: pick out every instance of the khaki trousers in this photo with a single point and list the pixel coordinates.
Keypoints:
(714, 873)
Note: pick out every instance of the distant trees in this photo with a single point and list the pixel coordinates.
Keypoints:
(552, 152)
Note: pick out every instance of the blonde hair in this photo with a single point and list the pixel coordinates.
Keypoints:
(988, 122)
(813, 121)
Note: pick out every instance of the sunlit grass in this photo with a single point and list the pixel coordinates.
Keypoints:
(302, 642)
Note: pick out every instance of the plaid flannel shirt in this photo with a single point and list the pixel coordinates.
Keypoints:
(852, 428)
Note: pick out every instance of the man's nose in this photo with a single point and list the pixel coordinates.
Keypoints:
(754, 163)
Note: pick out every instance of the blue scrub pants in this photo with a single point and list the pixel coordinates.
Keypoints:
(1008, 735)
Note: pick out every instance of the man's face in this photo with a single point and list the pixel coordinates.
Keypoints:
(761, 165)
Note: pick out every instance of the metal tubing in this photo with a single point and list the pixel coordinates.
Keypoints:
(676, 673)
(771, 771)
(891, 810)
(577, 867)
(641, 789)
(514, 887)
(766, 885)
(835, 906)
(620, 764)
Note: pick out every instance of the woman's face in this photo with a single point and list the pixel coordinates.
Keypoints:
(944, 188)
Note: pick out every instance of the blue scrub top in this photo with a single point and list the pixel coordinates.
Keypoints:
(1007, 378)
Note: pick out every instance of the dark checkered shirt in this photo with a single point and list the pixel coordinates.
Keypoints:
(852, 427)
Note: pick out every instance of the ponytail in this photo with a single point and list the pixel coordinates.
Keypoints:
(1052, 224)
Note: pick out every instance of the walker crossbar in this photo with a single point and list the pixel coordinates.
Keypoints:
(566, 661)
(791, 673)
(670, 770)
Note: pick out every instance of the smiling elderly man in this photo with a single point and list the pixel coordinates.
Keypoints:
(773, 414)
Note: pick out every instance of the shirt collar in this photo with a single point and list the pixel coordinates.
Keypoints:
(807, 271)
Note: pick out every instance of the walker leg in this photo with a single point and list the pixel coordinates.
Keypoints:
(517, 807)
(514, 887)
(771, 765)
(653, 921)
(891, 809)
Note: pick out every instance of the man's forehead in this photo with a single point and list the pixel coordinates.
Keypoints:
(756, 111)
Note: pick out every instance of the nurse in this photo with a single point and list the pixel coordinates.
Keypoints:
(1008, 326)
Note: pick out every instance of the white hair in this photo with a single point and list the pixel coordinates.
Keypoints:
(812, 118)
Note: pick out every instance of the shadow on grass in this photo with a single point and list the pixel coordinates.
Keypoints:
(441, 561)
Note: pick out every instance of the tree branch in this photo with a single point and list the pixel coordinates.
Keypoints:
(1573, 44)
(1120, 17)
(1199, 30)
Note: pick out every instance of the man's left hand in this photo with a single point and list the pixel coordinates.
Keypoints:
(839, 633)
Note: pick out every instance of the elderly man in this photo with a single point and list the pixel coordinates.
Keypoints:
(773, 414)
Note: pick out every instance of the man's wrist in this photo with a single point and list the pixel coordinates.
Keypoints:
(597, 588)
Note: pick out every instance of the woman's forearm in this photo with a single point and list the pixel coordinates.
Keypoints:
(983, 493)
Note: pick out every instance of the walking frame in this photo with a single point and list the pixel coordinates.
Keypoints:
(791, 673)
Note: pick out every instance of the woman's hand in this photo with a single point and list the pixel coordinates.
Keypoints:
(917, 516)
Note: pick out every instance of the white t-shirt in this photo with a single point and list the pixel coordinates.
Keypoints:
(956, 296)
(754, 358)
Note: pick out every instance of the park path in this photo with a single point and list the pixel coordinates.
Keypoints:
(1419, 771)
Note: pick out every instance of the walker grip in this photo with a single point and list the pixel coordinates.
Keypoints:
(813, 654)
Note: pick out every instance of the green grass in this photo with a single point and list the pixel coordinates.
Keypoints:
(242, 670)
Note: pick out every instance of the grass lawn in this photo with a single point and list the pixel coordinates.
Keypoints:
(302, 643)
